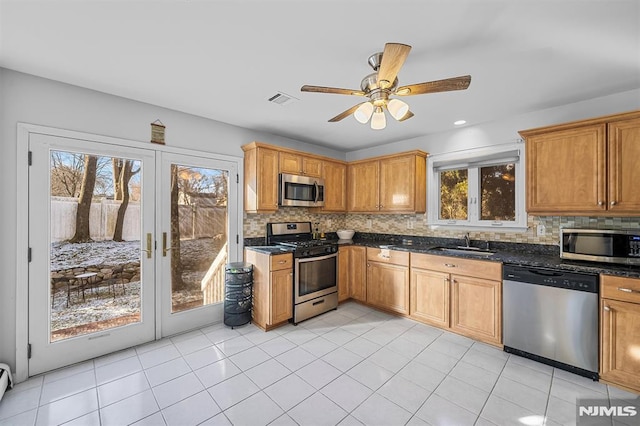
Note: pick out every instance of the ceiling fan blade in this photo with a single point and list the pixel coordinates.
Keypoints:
(446, 85)
(407, 116)
(393, 58)
(337, 91)
(345, 113)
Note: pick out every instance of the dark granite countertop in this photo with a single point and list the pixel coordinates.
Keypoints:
(544, 256)
(522, 256)
(271, 249)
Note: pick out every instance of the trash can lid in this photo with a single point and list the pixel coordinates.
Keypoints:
(238, 267)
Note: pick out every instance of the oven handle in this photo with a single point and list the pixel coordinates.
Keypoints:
(315, 258)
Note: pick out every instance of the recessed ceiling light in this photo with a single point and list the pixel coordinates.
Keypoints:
(459, 122)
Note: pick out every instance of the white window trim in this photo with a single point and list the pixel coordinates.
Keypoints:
(464, 158)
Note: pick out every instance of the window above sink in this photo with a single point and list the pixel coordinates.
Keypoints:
(478, 188)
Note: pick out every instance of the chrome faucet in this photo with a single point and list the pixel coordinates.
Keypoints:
(467, 241)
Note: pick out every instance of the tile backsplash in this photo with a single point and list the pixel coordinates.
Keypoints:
(412, 224)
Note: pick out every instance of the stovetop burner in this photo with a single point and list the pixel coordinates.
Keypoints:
(299, 236)
(305, 244)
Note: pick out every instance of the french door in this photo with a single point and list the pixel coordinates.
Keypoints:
(194, 229)
(91, 291)
(127, 245)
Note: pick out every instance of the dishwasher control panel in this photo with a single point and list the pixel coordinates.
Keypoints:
(552, 278)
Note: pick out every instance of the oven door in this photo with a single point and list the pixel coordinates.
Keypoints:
(315, 277)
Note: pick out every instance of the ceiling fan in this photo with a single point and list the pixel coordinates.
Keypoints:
(383, 83)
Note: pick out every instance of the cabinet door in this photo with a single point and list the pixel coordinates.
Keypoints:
(362, 195)
(397, 184)
(281, 296)
(624, 173)
(290, 163)
(429, 301)
(267, 179)
(476, 308)
(343, 273)
(357, 273)
(388, 286)
(311, 167)
(620, 333)
(566, 171)
(335, 187)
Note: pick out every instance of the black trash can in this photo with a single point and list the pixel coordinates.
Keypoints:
(238, 289)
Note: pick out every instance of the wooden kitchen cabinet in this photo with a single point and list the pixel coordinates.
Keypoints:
(272, 288)
(297, 164)
(388, 280)
(429, 297)
(462, 295)
(335, 187)
(584, 167)
(620, 331)
(390, 184)
(351, 273)
(260, 178)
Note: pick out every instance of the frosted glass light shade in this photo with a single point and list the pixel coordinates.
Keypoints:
(378, 120)
(363, 113)
(397, 108)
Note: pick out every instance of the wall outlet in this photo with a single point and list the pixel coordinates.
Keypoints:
(368, 223)
(254, 226)
(410, 224)
(328, 224)
(540, 230)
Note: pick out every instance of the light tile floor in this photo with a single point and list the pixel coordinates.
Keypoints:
(349, 367)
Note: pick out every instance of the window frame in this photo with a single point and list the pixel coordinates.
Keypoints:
(473, 160)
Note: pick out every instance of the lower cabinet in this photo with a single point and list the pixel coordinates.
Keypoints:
(351, 273)
(272, 288)
(463, 295)
(620, 331)
(388, 280)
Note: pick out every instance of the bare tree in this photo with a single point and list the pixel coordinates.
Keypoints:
(66, 174)
(177, 282)
(125, 171)
(84, 203)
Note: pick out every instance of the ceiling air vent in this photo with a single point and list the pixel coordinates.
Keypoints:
(282, 99)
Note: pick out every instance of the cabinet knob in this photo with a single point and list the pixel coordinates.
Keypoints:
(606, 308)
(613, 203)
(449, 265)
(601, 203)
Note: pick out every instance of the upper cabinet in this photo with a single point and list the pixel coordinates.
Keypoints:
(263, 162)
(585, 167)
(335, 187)
(390, 184)
(296, 164)
(260, 178)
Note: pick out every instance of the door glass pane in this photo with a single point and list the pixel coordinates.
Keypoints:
(454, 187)
(199, 223)
(95, 227)
(498, 192)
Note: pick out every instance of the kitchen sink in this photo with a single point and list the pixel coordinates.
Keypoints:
(474, 251)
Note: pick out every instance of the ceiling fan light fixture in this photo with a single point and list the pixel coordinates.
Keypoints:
(378, 120)
(397, 108)
(363, 113)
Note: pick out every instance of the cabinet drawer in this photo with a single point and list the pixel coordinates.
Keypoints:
(388, 256)
(281, 261)
(620, 288)
(455, 265)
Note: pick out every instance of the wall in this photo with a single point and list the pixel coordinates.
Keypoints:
(28, 99)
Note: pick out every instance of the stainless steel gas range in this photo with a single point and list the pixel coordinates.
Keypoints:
(315, 273)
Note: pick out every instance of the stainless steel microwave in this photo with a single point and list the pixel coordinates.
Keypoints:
(300, 191)
(601, 245)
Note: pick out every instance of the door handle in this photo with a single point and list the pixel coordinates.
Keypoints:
(148, 249)
(165, 249)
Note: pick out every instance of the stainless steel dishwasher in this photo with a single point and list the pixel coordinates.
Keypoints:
(551, 316)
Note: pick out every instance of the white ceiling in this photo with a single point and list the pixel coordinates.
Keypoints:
(223, 59)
